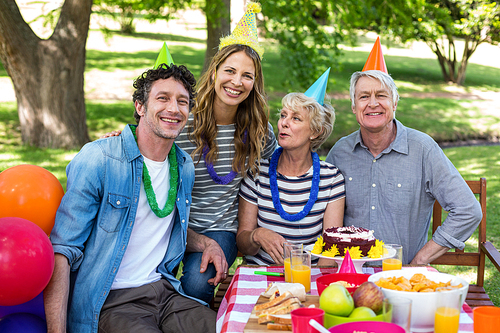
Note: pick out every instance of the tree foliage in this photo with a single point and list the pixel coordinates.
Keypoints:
(125, 11)
(307, 35)
(440, 24)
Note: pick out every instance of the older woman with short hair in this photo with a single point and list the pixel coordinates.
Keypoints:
(295, 196)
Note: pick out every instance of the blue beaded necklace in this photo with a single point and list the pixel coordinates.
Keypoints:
(275, 191)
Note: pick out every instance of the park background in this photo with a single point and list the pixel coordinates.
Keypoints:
(465, 120)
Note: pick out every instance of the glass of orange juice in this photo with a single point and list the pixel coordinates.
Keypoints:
(395, 259)
(287, 251)
(301, 268)
(447, 315)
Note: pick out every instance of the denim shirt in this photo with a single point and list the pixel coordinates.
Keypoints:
(95, 219)
(394, 192)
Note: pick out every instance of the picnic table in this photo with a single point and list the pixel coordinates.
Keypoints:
(246, 287)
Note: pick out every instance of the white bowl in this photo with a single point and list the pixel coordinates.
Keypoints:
(423, 304)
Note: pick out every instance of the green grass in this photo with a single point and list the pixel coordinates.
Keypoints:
(445, 119)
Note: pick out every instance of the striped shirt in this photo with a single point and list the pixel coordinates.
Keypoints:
(294, 194)
(215, 207)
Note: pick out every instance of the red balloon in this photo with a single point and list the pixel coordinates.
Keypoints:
(26, 260)
(32, 193)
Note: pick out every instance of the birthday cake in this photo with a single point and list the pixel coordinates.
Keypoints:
(359, 241)
(348, 237)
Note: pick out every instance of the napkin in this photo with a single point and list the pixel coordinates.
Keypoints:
(296, 289)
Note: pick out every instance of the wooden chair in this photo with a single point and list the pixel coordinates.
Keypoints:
(476, 296)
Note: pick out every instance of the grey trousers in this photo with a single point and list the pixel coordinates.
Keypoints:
(154, 307)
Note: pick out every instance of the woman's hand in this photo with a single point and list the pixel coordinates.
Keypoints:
(271, 242)
(110, 134)
(250, 237)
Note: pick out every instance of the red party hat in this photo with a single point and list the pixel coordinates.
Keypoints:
(376, 59)
(347, 266)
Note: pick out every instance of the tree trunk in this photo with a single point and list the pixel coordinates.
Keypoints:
(218, 14)
(469, 49)
(441, 58)
(48, 74)
(462, 70)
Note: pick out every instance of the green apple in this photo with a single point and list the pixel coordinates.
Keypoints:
(336, 300)
(362, 312)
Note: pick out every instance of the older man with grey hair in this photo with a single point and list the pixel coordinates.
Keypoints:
(393, 175)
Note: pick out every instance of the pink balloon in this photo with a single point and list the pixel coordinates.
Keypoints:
(26, 260)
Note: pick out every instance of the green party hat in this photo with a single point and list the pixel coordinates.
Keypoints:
(318, 89)
(164, 57)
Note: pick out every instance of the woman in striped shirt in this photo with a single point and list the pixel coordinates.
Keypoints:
(295, 196)
(227, 133)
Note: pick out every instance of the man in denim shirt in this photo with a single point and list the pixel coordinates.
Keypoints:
(116, 248)
(393, 175)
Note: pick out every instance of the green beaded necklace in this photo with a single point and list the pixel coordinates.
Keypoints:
(172, 192)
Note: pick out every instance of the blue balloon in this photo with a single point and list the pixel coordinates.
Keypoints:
(35, 306)
(22, 322)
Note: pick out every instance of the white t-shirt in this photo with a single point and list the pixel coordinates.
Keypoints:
(150, 235)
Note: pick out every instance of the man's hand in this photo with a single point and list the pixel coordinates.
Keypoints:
(110, 134)
(214, 254)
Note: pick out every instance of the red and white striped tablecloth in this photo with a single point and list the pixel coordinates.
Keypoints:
(246, 287)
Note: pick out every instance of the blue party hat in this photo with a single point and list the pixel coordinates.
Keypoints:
(164, 57)
(318, 89)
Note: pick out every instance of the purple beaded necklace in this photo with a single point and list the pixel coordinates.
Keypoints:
(224, 180)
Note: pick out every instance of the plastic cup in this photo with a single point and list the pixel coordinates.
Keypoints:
(287, 251)
(447, 314)
(395, 262)
(397, 310)
(301, 317)
(301, 268)
(486, 319)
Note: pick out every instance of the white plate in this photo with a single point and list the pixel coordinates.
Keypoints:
(358, 263)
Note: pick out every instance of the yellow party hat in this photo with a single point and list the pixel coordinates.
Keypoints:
(246, 31)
